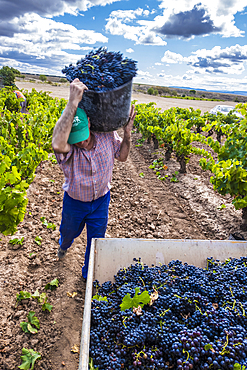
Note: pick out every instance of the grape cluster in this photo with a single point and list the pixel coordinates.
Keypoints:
(198, 319)
(101, 70)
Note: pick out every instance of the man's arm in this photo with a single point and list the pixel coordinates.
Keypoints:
(63, 126)
(125, 145)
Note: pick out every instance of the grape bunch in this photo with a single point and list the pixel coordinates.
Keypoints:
(101, 70)
(197, 320)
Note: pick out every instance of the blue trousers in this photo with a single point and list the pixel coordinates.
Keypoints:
(76, 214)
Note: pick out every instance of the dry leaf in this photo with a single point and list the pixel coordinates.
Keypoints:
(185, 316)
(215, 305)
(75, 348)
(71, 295)
(153, 297)
(138, 310)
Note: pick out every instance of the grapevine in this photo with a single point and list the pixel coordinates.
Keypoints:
(25, 141)
(175, 131)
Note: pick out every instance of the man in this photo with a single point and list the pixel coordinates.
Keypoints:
(23, 103)
(87, 160)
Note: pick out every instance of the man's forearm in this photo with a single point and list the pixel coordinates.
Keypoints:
(62, 129)
(124, 148)
(63, 126)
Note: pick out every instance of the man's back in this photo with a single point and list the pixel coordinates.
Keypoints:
(19, 94)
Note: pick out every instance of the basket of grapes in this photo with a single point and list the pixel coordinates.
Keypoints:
(108, 77)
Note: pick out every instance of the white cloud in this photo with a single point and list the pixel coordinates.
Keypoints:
(198, 19)
(230, 60)
(219, 12)
(142, 74)
(36, 38)
(170, 57)
(117, 24)
(10, 10)
(129, 50)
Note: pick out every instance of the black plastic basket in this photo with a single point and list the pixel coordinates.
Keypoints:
(107, 110)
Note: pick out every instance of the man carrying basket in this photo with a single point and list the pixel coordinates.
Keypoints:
(86, 159)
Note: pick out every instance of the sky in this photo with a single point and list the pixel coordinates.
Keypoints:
(199, 44)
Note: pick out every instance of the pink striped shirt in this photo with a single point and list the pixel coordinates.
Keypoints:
(88, 173)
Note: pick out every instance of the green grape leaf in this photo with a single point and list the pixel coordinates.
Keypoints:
(47, 306)
(237, 366)
(42, 298)
(38, 240)
(27, 327)
(221, 206)
(36, 294)
(31, 329)
(100, 298)
(137, 300)
(28, 359)
(22, 295)
(17, 241)
(52, 285)
(23, 325)
(208, 346)
(33, 319)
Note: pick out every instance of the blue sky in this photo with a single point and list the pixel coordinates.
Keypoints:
(187, 43)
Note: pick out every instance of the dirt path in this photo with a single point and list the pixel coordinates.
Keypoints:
(141, 207)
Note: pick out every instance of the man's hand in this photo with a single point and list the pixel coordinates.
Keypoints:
(129, 126)
(77, 89)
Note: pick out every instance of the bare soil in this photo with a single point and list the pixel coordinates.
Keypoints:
(141, 207)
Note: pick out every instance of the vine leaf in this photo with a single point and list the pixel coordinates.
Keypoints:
(52, 285)
(32, 320)
(28, 359)
(46, 306)
(237, 366)
(208, 347)
(100, 298)
(137, 300)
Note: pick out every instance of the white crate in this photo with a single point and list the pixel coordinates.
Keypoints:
(109, 255)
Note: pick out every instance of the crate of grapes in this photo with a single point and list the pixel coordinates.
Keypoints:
(165, 304)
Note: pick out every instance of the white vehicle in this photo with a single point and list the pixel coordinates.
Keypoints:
(225, 109)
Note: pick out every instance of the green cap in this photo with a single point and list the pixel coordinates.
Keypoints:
(79, 130)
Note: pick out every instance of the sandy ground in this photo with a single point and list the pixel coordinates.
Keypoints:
(62, 91)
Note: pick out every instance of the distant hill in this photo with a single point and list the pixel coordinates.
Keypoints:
(242, 93)
(236, 96)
